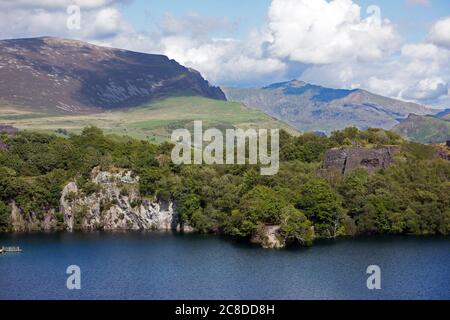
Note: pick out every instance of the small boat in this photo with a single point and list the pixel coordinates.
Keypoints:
(10, 249)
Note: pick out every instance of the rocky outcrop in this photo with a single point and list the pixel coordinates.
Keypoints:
(443, 151)
(8, 129)
(269, 237)
(21, 222)
(348, 159)
(17, 221)
(116, 205)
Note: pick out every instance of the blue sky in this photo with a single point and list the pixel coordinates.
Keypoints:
(412, 20)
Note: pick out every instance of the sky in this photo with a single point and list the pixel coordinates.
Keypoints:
(397, 48)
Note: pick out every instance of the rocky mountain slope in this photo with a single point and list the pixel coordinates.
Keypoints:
(59, 75)
(309, 107)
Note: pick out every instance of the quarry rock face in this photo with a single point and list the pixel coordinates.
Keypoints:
(348, 159)
(116, 205)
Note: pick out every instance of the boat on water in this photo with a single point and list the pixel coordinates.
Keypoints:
(10, 249)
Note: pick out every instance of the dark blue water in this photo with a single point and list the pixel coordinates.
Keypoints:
(166, 266)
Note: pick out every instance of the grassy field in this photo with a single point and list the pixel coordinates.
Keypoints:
(153, 122)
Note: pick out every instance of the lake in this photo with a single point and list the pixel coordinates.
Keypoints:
(173, 266)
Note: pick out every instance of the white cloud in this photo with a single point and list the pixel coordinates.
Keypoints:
(320, 32)
(223, 60)
(26, 18)
(427, 89)
(440, 33)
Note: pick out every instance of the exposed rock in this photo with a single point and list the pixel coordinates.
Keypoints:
(117, 205)
(443, 152)
(49, 222)
(25, 223)
(268, 237)
(68, 194)
(8, 129)
(17, 221)
(346, 160)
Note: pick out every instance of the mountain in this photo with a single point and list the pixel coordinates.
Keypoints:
(310, 107)
(425, 129)
(59, 75)
(445, 114)
(58, 85)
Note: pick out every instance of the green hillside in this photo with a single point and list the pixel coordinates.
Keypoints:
(424, 129)
(154, 121)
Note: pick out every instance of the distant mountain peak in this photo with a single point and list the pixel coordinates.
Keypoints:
(318, 93)
(56, 74)
(310, 107)
(443, 113)
(286, 84)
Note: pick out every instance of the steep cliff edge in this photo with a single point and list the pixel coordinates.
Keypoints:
(115, 205)
(113, 202)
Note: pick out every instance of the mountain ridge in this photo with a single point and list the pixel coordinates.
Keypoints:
(310, 107)
(425, 128)
(72, 76)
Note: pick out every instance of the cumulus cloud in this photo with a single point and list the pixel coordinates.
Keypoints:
(419, 73)
(222, 60)
(440, 33)
(27, 18)
(320, 32)
(343, 49)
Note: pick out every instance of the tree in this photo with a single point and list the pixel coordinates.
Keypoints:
(5, 213)
(322, 206)
(188, 205)
(148, 181)
(261, 205)
(295, 226)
